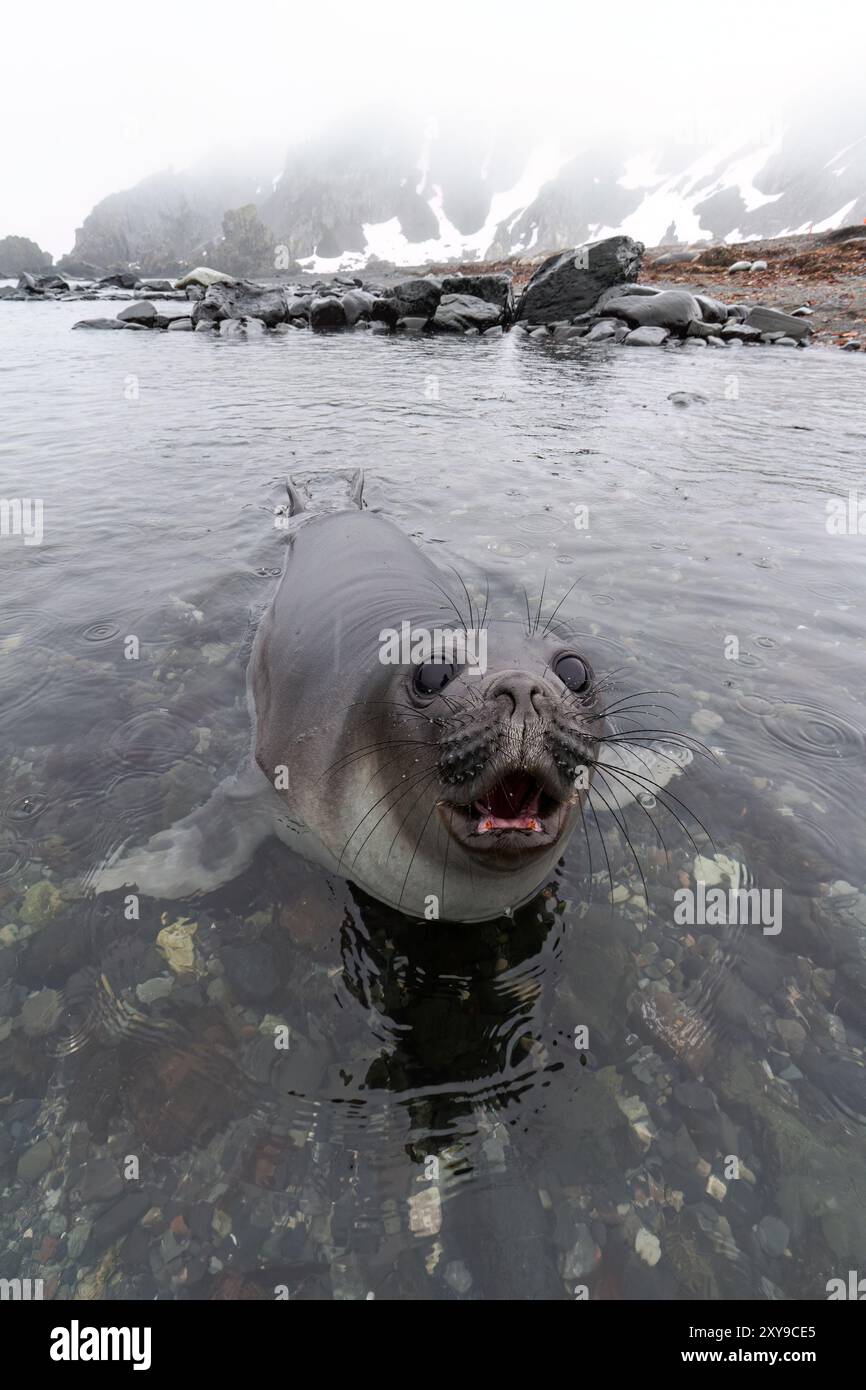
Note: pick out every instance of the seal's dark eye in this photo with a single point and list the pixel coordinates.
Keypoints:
(433, 676)
(572, 672)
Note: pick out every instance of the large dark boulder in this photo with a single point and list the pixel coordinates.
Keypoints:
(493, 289)
(327, 312)
(242, 300)
(673, 309)
(357, 304)
(141, 312)
(571, 282)
(411, 299)
(119, 280)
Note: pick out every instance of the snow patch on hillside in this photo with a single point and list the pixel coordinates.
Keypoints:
(387, 241)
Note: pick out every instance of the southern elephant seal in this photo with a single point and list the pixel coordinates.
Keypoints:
(387, 749)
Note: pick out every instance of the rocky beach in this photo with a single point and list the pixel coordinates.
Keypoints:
(794, 292)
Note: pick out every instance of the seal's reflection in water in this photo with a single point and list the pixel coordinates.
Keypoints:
(430, 1110)
(474, 1056)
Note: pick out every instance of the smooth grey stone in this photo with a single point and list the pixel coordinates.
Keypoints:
(102, 1180)
(621, 291)
(677, 257)
(669, 309)
(601, 332)
(357, 304)
(150, 991)
(773, 1236)
(649, 336)
(462, 311)
(106, 324)
(741, 332)
(712, 310)
(36, 1161)
(774, 321)
(700, 329)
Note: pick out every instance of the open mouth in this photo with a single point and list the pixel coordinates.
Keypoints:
(513, 816)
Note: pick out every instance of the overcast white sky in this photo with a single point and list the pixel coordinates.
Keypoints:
(97, 95)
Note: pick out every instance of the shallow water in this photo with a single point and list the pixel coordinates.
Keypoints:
(432, 1131)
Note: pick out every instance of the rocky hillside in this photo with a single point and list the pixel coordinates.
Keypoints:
(19, 253)
(160, 224)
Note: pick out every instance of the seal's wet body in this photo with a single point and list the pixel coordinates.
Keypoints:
(441, 787)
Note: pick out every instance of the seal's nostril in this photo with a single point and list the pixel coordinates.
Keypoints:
(524, 692)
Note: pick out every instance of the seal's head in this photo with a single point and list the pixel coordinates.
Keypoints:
(461, 785)
(515, 748)
(442, 769)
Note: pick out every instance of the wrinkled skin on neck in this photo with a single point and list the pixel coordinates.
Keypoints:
(454, 802)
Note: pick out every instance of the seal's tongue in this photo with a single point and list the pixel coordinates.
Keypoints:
(511, 805)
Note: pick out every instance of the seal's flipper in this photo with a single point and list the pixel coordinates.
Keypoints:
(629, 772)
(209, 847)
(357, 492)
(296, 501)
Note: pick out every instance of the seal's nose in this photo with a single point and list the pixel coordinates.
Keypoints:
(522, 690)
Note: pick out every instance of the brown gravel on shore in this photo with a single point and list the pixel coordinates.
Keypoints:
(825, 272)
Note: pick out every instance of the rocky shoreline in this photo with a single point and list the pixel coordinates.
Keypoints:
(710, 297)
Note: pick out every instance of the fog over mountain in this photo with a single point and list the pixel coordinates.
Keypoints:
(413, 136)
(436, 189)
